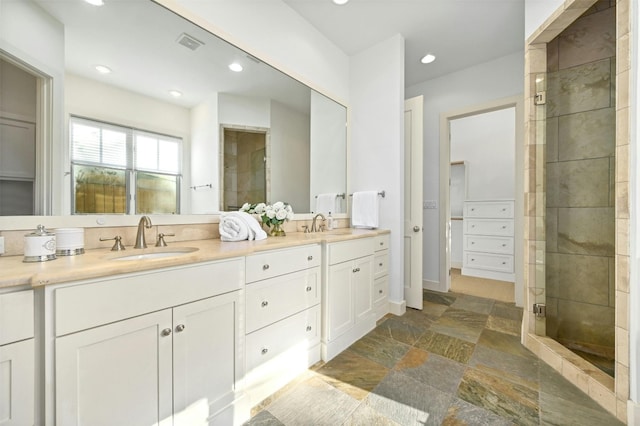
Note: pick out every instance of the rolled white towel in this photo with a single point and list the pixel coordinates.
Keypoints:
(239, 226)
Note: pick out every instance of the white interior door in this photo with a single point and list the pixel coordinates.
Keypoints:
(413, 202)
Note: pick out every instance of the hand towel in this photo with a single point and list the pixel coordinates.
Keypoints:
(364, 209)
(239, 226)
(326, 203)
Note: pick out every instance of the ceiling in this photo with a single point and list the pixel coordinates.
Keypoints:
(461, 33)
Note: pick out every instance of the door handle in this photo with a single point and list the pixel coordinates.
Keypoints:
(416, 228)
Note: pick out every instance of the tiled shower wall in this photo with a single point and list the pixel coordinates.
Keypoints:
(611, 393)
(580, 183)
(244, 168)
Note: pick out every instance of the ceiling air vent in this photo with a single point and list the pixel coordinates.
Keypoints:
(189, 41)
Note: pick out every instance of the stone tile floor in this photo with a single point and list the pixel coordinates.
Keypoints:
(457, 362)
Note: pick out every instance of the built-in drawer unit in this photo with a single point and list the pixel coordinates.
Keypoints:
(381, 264)
(380, 289)
(271, 300)
(348, 250)
(272, 263)
(16, 316)
(381, 242)
(488, 239)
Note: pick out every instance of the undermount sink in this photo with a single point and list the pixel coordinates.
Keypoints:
(156, 254)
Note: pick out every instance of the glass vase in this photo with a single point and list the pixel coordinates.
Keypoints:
(277, 230)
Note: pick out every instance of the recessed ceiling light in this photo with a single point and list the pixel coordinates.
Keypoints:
(235, 67)
(95, 2)
(340, 2)
(103, 69)
(427, 59)
(175, 93)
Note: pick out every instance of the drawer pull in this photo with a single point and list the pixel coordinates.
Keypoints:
(381, 243)
(504, 226)
(504, 263)
(473, 209)
(264, 304)
(264, 351)
(180, 327)
(308, 288)
(504, 245)
(309, 257)
(473, 260)
(380, 291)
(504, 210)
(473, 226)
(473, 242)
(380, 264)
(308, 328)
(166, 332)
(265, 266)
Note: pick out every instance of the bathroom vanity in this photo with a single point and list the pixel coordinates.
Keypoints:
(196, 337)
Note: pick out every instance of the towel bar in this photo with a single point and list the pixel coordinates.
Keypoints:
(381, 193)
(337, 196)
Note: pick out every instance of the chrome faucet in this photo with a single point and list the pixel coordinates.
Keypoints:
(141, 242)
(313, 224)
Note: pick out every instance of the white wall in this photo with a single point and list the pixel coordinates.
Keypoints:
(376, 159)
(205, 156)
(289, 157)
(328, 150)
(492, 80)
(244, 110)
(273, 32)
(40, 46)
(486, 142)
(536, 12)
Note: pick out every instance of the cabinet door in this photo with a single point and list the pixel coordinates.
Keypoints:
(205, 343)
(363, 287)
(116, 374)
(339, 302)
(17, 384)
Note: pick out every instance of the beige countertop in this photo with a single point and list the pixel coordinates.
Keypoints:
(99, 262)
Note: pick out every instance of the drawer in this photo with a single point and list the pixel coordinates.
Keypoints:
(381, 242)
(298, 332)
(500, 245)
(499, 227)
(490, 262)
(349, 250)
(381, 263)
(380, 290)
(489, 209)
(274, 299)
(272, 263)
(16, 316)
(93, 303)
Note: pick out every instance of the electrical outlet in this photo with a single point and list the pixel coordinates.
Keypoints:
(430, 204)
(1, 245)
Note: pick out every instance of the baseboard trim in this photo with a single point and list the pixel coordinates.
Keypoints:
(397, 308)
(633, 412)
(431, 285)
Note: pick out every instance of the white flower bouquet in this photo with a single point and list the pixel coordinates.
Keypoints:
(272, 215)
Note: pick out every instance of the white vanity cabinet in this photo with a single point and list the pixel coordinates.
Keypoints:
(348, 300)
(17, 362)
(161, 347)
(282, 317)
(488, 239)
(381, 276)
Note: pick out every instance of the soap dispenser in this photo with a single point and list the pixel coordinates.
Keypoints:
(329, 222)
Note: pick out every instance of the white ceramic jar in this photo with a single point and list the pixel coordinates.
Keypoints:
(39, 246)
(69, 241)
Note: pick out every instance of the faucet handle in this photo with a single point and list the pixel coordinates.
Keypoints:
(305, 228)
(161, 242)
(117, 246)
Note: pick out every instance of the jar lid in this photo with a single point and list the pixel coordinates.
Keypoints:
(40, 232)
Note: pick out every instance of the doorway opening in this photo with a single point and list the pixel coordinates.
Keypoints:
(245, 167)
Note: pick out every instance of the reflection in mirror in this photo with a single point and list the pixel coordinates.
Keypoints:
(172, 78)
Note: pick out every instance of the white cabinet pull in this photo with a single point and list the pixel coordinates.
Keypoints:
(264, 351)
(308, 328)
(309, 257)
(180, 327)
(264, 304)
(265, 266)
(308, 288)
(166, 332)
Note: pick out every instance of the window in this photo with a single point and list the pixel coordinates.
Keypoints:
(118, 169)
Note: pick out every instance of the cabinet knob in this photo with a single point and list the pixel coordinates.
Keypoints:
(504, 226)
(264, 351)
(473, 210)
(264, 304)
(380, 264)
(308, 288)
(356, 270)
(504, 263)
(265, 266)
(380, 291)
(504, 245)
(473, 242)
(473, 226)
(166, 332)
(381, 243)
(473, 260)
(309, 257)
(416, 228)
(308, 328)
(180, 327)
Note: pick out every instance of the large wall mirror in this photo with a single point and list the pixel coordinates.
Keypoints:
(171, 115)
